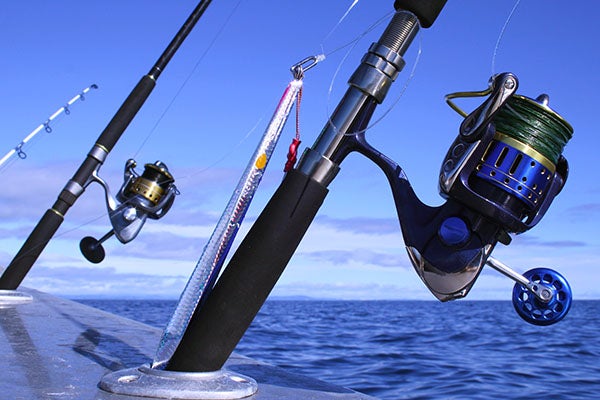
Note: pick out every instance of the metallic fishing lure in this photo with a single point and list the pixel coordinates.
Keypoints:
(213, 256)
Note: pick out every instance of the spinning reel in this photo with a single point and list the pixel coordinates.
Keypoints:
(499, 178)
(506, 164)
(150, 195)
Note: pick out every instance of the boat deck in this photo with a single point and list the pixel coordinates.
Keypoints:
(56, 348)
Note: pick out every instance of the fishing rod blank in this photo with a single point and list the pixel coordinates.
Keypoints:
(260, 259)
(52, 219)
(46, 125)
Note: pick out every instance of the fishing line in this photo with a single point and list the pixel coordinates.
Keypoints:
(530, 122)
(353, 44)
(225, 155)
(336, 26)
(187, 79)
(501, 36)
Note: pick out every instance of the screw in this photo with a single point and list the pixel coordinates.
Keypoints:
(130, 214)
(546, 294)
(510, 83)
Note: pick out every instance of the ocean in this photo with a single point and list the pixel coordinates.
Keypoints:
(418, 349)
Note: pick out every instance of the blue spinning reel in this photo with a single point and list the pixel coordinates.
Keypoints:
(499, 178)
(149, 195)
(507, 164)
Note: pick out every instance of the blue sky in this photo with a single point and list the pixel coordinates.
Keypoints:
(214, 100)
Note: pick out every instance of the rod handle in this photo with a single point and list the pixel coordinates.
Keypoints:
(128, 110)
(216, 328)
(426, 10)
(31, 250)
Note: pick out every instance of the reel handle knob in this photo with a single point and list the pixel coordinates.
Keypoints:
(536, 311)
(92, 249)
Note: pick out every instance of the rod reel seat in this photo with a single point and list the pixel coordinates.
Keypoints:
(149, 195)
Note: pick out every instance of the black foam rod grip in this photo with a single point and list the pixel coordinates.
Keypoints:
(31, 250)
(217, 327)
(426, 10)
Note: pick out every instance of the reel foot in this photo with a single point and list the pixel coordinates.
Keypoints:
(92, 249)
(536, 311)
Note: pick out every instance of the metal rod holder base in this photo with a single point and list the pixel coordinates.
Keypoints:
(161, 384)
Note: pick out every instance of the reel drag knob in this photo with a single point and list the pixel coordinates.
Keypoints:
(536, 311)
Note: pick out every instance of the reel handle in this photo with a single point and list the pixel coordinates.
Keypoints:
(541, 296)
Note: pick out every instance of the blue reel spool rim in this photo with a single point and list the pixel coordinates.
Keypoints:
(535, 311)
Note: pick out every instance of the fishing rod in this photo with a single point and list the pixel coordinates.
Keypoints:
(52, 219)
(245, 283)
(18, 150)
(498, 178)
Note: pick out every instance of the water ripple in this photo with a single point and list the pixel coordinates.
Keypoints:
(421, 350)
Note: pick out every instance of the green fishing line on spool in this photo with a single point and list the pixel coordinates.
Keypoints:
(535, 125)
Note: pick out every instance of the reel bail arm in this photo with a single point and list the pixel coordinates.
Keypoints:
(149, 195)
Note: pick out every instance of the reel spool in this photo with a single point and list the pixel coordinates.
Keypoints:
(149, 195)
(506, 163)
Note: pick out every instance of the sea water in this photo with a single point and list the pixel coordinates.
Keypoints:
(418, 349)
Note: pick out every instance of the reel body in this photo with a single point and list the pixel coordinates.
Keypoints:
(500, 170)
(498, 178)
(149, 195)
